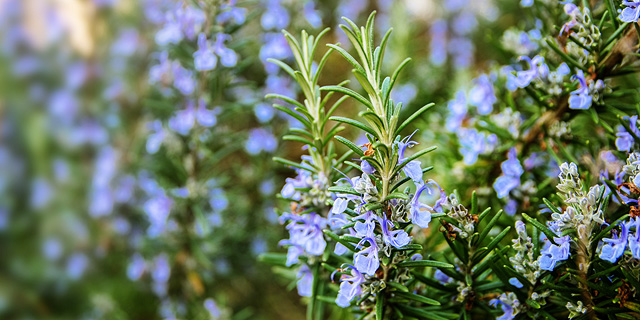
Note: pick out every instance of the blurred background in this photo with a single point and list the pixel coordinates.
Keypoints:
(136, 178)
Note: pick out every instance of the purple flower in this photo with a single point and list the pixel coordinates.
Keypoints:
(183, 120)
(365, 229)
(260, 140)
(510, 178)
(573, 11)
(154, 141)
(52, 249)
(212, 308)
(170, 32)
(420, 212)
(441, 277)
(438, 44)
(183, 79)
(482, 95)
(515, 282)
(305, 232)
(205, 117)
(537, 68)
(312, 15)
(615, 246)
(580, 98)
(625, 140)
(231, 12)
(526, 3)
(631, 13)
(136, 267)
(474, 143)
(511, 207)
(204, 59)
(507, 306)
(161, 270)
(76, 265)
(275, 46)
(126, 44)
(404, 93)
(349, 287)
(413, 168)
(555, 253)
(102, 197)
(264, 112)
(367, 167)
(457, 111)
(157, 209)
(162, 70)
(462, 50)
(275, 17)
(305, 281)
(63, 106)
(366, 260)
(397, 238)
(228, 57)
(634, 239)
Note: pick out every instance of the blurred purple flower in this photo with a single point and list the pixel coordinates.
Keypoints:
(260, 140)
(580, 98)
(275, 17)
(482, 95)
(204, 59)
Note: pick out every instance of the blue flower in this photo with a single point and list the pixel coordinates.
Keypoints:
(305, 232)
(231, 12)
(203, 58)
(365, 229)
(275, 17)
(526, 3)
(228, 57)
(482, 95)
(212, 308)
(136, 267)
(615, 246)
(631, 13)
(580, 98)
(366, 260)
(510, 178)
(160, 273)
(441, 277)
(457, 112)
(553, 254)
(474, 143)
(625, 140)
(634, 239)
(170, 33)
(274, 46)
(305, 281)
(397, 238)
(349, 287)
(367, 167)
(537, 68)
(183, 120)
(183, 79)
(515, 282)
(76, 265)
(312, 15)
(420, 212)
(506, 303)
(438, 43)
(157, 209)
(205, 117)
(412, 169)
(260, 140)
